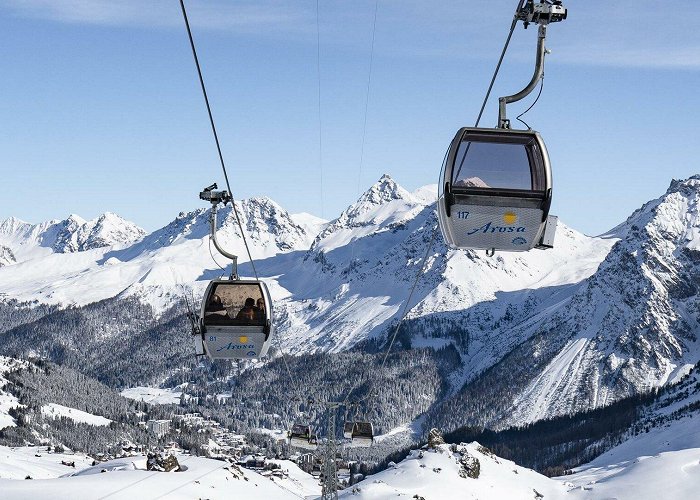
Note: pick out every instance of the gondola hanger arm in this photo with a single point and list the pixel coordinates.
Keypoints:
(542, 13)
(215, 197)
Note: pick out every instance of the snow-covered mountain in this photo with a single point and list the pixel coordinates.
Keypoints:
(66, 262)
(359, 271)
(21, 241)
(634, 324)
(631, 326)
(539, 334)
(77, 235)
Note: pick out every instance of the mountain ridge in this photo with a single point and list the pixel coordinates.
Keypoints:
(622, 319)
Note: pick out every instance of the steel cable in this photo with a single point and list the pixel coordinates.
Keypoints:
(420, 271)
(216, 137)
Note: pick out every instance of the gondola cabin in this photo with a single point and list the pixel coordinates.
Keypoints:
(236, 319)
(496, 190)
(347, 429)
(360, 434)
(301, 436)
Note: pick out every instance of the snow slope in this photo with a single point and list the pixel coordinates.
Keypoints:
(436, 474)
(7, 400)
(672, 475)
(575, 327)
(297, 481)
(16, 463)
(660, 457)
(127, 478)
(53, 410)
(154, 395)
(667, 475)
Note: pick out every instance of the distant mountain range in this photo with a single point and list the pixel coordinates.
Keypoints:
(537, 334)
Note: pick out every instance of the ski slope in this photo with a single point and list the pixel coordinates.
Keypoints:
(53, 410)
(127, 478)
(434, 474)
(662, 463)
(154, 395)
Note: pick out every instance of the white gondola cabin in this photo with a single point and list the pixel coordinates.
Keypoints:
(360, 434)
(236, 319)
(301, 436)
(496, 190)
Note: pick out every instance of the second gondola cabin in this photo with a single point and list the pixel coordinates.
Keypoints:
(359, 434)
(302, 436)
(236, 319)
(496, 190)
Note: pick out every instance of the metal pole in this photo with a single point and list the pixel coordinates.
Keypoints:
(330, 472)
(503, 122)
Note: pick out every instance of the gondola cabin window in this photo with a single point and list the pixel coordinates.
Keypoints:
(485, 165)
(235, 304)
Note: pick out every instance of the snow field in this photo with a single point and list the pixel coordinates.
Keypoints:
(127, 479)
(434, 474)
(153, 395)
(53, 410)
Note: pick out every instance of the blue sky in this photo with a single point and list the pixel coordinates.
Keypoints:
(100, 109)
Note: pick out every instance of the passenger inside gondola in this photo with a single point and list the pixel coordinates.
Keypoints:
(260, 313)
(215, 304)
(248, 312)
(233, 304)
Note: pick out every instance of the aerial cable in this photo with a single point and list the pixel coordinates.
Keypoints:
(513, 24)
(369, 83)
(500, 61)
(404, 313)
(223, 164)
(410, 295)
(216, 137)
(364, 124)
(295, 383)
(292, 379)
(432, 239)
(320, 127)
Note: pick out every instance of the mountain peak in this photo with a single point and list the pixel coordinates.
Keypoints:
(12, 220)
(384, 190)
(685, 186)
(385, 205)
(11, 225)
(75, 234)
(74, 218)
